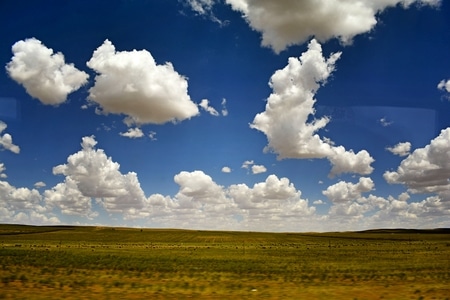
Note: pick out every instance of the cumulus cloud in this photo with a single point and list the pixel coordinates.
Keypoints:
(23, 205)
(226, 170)
(133, 133)
(288, 22)
(257, 169)
(289, 108)
(444, 85)
(347, 191)
(275, 198)
(211, 110)
(44, 74)
(131, 83)
(89, 173)
(401, 149)
(426, 170)
(6, 140)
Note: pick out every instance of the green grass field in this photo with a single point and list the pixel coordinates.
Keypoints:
(65, 262)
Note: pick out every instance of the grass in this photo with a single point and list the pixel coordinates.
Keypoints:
(122, 263)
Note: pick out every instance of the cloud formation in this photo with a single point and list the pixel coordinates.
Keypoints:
(342, 191)
(211, 110)
(226, 169)
(444, 85)
(426, 170)
(131, 83)
(6, 140)
(284, 23)
(89, 174)
(44, 74)
(133, 133)
(285, 120)
(257, 169)
(401, 149)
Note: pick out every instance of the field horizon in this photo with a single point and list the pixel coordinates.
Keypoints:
(85, 262)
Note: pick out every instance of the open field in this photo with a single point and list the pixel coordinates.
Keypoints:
(68, 262)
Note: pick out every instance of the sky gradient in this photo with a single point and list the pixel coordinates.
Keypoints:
(232, 115)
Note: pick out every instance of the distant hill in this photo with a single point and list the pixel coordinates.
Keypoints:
(408, 231)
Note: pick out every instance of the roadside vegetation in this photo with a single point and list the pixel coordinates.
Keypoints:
(67, 262)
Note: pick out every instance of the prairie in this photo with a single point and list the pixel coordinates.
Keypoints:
(55, 262)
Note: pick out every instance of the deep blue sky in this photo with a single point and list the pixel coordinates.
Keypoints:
(382, 92)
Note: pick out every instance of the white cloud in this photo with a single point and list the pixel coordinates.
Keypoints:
(133, 133)
(198, 187)
(44, 74)
(205, 105)
(289, 22)
(342, 191)
(89, 173)
(152, 135)
(271, 200)
(226, 170)
(201, 6)
(22, 205)
(2, 170)
(426, 170)
(401, 149)
(318, 202)
(6, 140)
(257, 169)
(246, 164)
(224, 107)
(131, 83)
(291, 105)
(444, 85)
(384, 122)
(39, 184)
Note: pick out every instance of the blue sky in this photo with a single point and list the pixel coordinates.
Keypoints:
(233, 114)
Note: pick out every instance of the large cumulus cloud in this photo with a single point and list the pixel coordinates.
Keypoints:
(285, 120)
(131, 83)
(44, 74)
(427, 169)
(287, 22)
(90, 174)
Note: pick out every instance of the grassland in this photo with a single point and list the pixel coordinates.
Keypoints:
(63, 262)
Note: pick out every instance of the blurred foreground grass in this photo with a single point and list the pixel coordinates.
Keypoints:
(121, 263)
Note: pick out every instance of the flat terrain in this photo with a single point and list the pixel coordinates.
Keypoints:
(65, 262)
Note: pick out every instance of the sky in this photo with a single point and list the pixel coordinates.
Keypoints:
(242, 115)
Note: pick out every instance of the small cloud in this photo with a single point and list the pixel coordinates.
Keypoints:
(152, 135)
(39, 184)
(133, 133)
(318, 202)
(246, 164)
(226, 170)
(2, 169)
(258, 169)
(224, 108)
(211, 110)
(6, 140)
(384, 122)
(444, 85)
(401, 149)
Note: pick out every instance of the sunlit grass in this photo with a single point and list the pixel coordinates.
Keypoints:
(110, 263)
